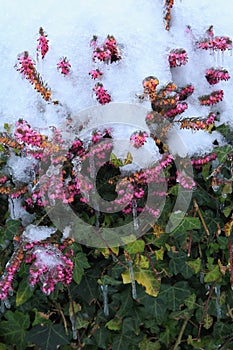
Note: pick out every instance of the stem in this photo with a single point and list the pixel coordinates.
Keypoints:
(196, 207)
(181, 334)
(206, 308)
(230, 259)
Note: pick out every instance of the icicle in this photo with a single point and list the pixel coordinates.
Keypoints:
(132, 280)
(93, 175)
(104, 288)
(134, 210)
(218, 307)
(5, 304)
(74, 328)
(2, 308)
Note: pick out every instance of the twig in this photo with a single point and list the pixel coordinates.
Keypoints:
(178, 341)
(196, 207)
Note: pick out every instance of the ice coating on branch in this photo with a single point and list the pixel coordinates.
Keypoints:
(37, 233)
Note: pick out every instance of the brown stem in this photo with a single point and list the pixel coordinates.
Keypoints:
(196, 207)
(205, 309)
(230, 259)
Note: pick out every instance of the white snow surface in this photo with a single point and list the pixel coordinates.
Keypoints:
(138, 27)
(37, 233)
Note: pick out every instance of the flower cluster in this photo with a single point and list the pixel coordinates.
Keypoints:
(185, 181)
(42, 46)
(198, 162)
(11, 268)
(25, 134)
(178, 109)
(48, 266)
(138, 138)
(102, 95)
(198, 123)
(211, 99)
(214, 75)
(168, 6)
(64, 65)
(95, 73)
(185, 92)
(222, 43)
(177, 57)
(149, 84)
(26, 67)
(108, 52)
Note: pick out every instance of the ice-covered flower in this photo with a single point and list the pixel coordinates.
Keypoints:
(177, 57)
(42, 46)
(102, 95)
(64, 65)
(138, 138)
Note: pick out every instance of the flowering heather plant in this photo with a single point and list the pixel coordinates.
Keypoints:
(64, 66)
(168, 6)
(198, 162)
(178, 109)
(149, 84)
(177, 58)
(95, 73)
(211, 99)
(185, 92)
(42, 46)
(108, 52)
(214, 75)
(221, 43)
(27, 68)
(102, 95)
(198, 123)
(138, 138)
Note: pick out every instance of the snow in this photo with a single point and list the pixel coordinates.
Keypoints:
(139, 29)
(37, 233)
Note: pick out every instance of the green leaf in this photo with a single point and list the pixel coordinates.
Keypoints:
(14, 329)
(40, 318)
(2, 346)
(173, 296)
(187, 224)
(114, 325)
(48, 337)
(222, 152)
(7, 127)
(101, 336)
(212, 275)
(195, 264)
(115, 161)
(144, 277)
(146, 344)
(24, 292)
(135, 247)
(190, 301)
(12, 228)
(80, 263)
(177, 264)
(208, 321)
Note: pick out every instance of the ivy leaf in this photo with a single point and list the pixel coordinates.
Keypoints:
(177, 264)
(14, 329)
(195, 264)
(187, 224)
(24, 292)
(212, 275)
(48, 336)
(190, 301)
(208, 321)
(114, 325)
(101, 336)
(115, 161)
(135, 247)
(129, 159)
(146, 344)
(146, 278)
(80, 263)
(12, 227)
(173, 296)
(222, 152)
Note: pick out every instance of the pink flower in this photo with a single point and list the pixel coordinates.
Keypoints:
(95, 73)
(138, 138)
(42, 46)
(64, 65)
(101, 94)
